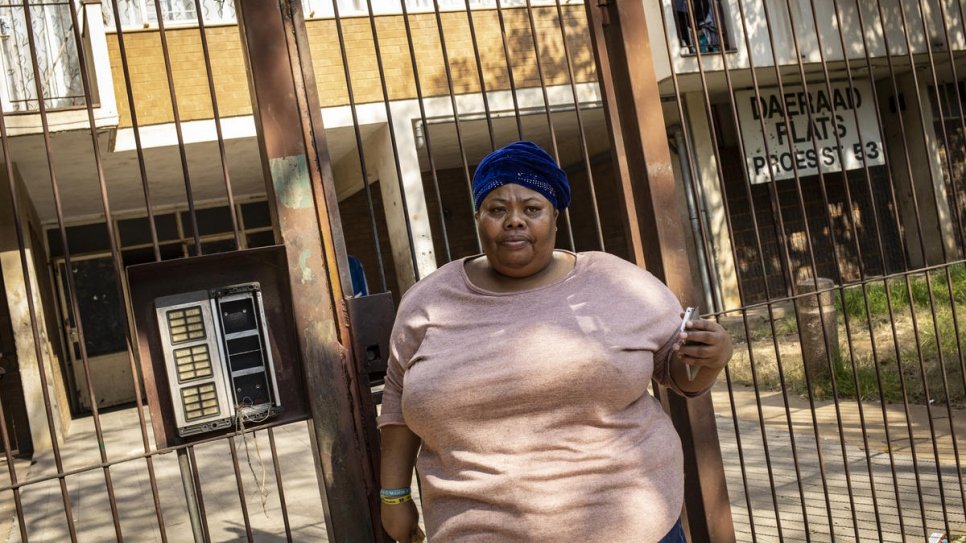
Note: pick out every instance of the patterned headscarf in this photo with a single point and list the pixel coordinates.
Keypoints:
(523, 163)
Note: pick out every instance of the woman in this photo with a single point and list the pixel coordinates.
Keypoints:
(520, 378)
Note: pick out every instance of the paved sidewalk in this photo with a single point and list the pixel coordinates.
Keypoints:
(46, 520)
(44, 508)
(791, 476)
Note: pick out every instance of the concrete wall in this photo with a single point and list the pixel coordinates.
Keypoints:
(899, 28)
(22, 319)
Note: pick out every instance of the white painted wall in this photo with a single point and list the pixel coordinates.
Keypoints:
(900, 24)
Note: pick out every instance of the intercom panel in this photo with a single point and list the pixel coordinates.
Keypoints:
(196, 377)
(217, 358)
(246, 352)
(217, 344)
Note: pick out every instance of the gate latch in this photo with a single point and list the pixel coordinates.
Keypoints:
(371, 318)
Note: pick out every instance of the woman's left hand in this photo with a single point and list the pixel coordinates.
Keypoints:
(704, 343)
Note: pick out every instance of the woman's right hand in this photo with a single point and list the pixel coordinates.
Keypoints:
(400, 521)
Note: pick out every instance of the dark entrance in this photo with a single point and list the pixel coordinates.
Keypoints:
(11, 389)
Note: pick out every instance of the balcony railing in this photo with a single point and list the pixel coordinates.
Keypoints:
(55, 50)
(143, 13)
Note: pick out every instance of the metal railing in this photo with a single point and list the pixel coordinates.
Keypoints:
(867, 437)
(857, 379)
(49, 26)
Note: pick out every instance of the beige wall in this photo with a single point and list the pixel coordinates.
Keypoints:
(153, 104)
(21, 319)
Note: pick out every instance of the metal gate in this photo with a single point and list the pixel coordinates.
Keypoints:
(131, 138)
(818, 146)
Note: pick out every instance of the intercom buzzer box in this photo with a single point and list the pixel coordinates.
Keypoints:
(192, 362)
(246, 352)
(217, 344)
(218, 358)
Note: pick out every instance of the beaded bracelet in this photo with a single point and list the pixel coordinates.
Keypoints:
(396, 501)
(395, 492)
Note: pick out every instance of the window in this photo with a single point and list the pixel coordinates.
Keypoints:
(704, 35)
(951, 97)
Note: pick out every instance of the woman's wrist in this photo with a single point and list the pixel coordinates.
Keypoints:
(395, 492)
(395, 496)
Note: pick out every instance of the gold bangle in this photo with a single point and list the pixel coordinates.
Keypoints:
(395, 500)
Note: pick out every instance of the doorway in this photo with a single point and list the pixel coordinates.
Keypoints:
(11, 388)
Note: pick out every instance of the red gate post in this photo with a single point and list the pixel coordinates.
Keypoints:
(301, 190)
(639, 142)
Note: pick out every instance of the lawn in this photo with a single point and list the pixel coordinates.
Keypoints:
(894, 335)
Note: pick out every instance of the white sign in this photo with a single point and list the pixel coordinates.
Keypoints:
(808, 139)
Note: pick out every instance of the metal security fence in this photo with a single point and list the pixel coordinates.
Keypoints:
(324, 150)
(819, 148)
(168, 176)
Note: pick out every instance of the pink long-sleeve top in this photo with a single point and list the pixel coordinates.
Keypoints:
(533, 409)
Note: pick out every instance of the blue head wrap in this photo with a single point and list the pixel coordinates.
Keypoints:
(523, 163)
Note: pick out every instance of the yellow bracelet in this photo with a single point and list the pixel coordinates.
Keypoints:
(396, 500)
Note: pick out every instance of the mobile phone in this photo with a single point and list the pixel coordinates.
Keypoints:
(689, 314)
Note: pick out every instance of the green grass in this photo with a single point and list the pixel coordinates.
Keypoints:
(876, 295)
(923, 342)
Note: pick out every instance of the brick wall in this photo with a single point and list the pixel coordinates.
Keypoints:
(149, 80)
(150, 88)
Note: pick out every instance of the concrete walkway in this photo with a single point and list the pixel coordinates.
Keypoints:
(44, 508)
(794, 490)
(863, 494)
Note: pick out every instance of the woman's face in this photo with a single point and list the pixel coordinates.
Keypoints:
(517, 227)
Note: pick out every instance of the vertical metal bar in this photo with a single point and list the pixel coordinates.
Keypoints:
(11, 469)
(631, 221)
(217, 120)
(278, 484)
(118, 271)
(509, 69)
(196, 477)
(922, 369)
(751, 356)
(834, 243)
(142, 170)
(300, 186)
(951, 186)
(954, 195)
(741, 450)
(241, 488)
(362, 410)
(191, 500)
(481, 75)
(645, 148)
(387, 102)
(568, 227)
(580, 127)
(361, 151)
(962, 125)
(886, 284)
(426, 129)
(176, 116)
(858, 252)
(456, 111)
